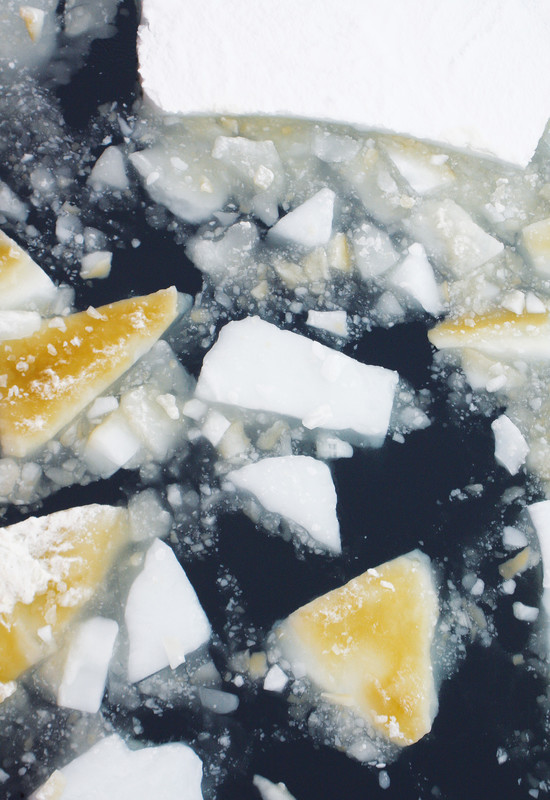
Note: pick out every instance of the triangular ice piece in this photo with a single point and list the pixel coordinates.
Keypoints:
(368, 645)
(46, 379)
(49, 568)
(23, 284)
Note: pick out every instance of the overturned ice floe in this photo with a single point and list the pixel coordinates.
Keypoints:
(300, 489)
(163, 615)
(259, 367)
(111, 769)
(367, 646)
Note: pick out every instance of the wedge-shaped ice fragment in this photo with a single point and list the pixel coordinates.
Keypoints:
(368, 645)
(415, 276)
(109, 171)
(536, 242)
(511, 449)
(451, 237)
(111, 769)
(310, 224)
(34, 21)
(49, 377)
(424, 170)
(49, 568)
(257, 366)
(23, 284)
(87, 664)
(300, 489)
(163, 615)
(503, 335)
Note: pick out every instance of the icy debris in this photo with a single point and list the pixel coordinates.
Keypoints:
(18, 324)
(535, 239)
(23, 284)
(148, 517)
(96, 265)
(518, 564)
(34, 21)
(511, 448)
(524, 613)
(93, 18)
(335, 322)
(217, 701)
(11, 206)
(224, 257)
(109, 171)
(300, 489)
(415, 276)
(374, 251)
(424, 171)
(334, 148)
(111, 445)
(214, 426)
(111, 769)
(451, 237)
(308, 225)
(328, 447)
(271, 791)
(193, 193)
(163, 615)
(276, 679)
(513, 537)
(257, 366)
(87, 663)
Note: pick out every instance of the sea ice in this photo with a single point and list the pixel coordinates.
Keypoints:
(300, 489)
(255, 365)
(163, 615)
(271, 791)
(511, 449)
(109, 171)
(415, 276)
(308, 225)
(110, 769)
(335, 322)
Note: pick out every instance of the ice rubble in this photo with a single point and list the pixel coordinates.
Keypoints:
(300, 489)
(255, 365)
(111, 769)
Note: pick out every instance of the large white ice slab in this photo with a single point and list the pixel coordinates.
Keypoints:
(257, 366)
(467, 73)
(163, 615)
(111, 770)
(300, 489)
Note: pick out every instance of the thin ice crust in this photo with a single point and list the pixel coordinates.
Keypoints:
(46, 379)
(368, 645)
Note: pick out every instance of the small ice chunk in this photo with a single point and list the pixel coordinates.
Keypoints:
(101, 406)
(513, 538)
(536, 243)
(217, 701)
(109, 171)
(148, 518)
(257, 163)
(328, 447)
(96, 265)
(275, 680)
(416, 163)
(10, 205)
(511, 449)
(18, 324)
(335, 322)
(451, 237)
(87, 664)
(525, 613)
(111, 445)
(111, 769)
(34, 21)
(214, 426)
(310, 224)
(23, 284)
(300, 489)
(224, 256)
(195, 409)
(374, 251)
(540, 517)
(162, 607)
(514, 301)
(271, 791)
(257, 366)
(415, 276)
(334, 148)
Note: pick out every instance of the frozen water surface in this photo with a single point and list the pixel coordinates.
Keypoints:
(310, 262)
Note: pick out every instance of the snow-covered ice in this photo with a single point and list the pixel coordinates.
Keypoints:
(300, 489)
(511, 449)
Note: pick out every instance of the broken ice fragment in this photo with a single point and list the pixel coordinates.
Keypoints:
(224, 257)
(423, 170)
(23, 284)
(415, 276)
(451, 237)
(163, 614)
(275, 680)
(511, 449)
(257, 366)
(502, 335)
(34, 21)
(335, 322)
(374, 251)
(217, 701)
(96, 265)
(86, 665)
(300, 489)
(369, 642)
(49, 568)
(536, 243)
(55, 373)
(310, 224)
(525, 613)
(111, 769)
(271, 791)
(18, 324)
(109, 171)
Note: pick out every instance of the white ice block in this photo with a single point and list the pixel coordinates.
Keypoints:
(466, 73)
(511, 449)
(87, 664)
(110, 769)
(163, 615)
(300, 489)
(257, 366)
